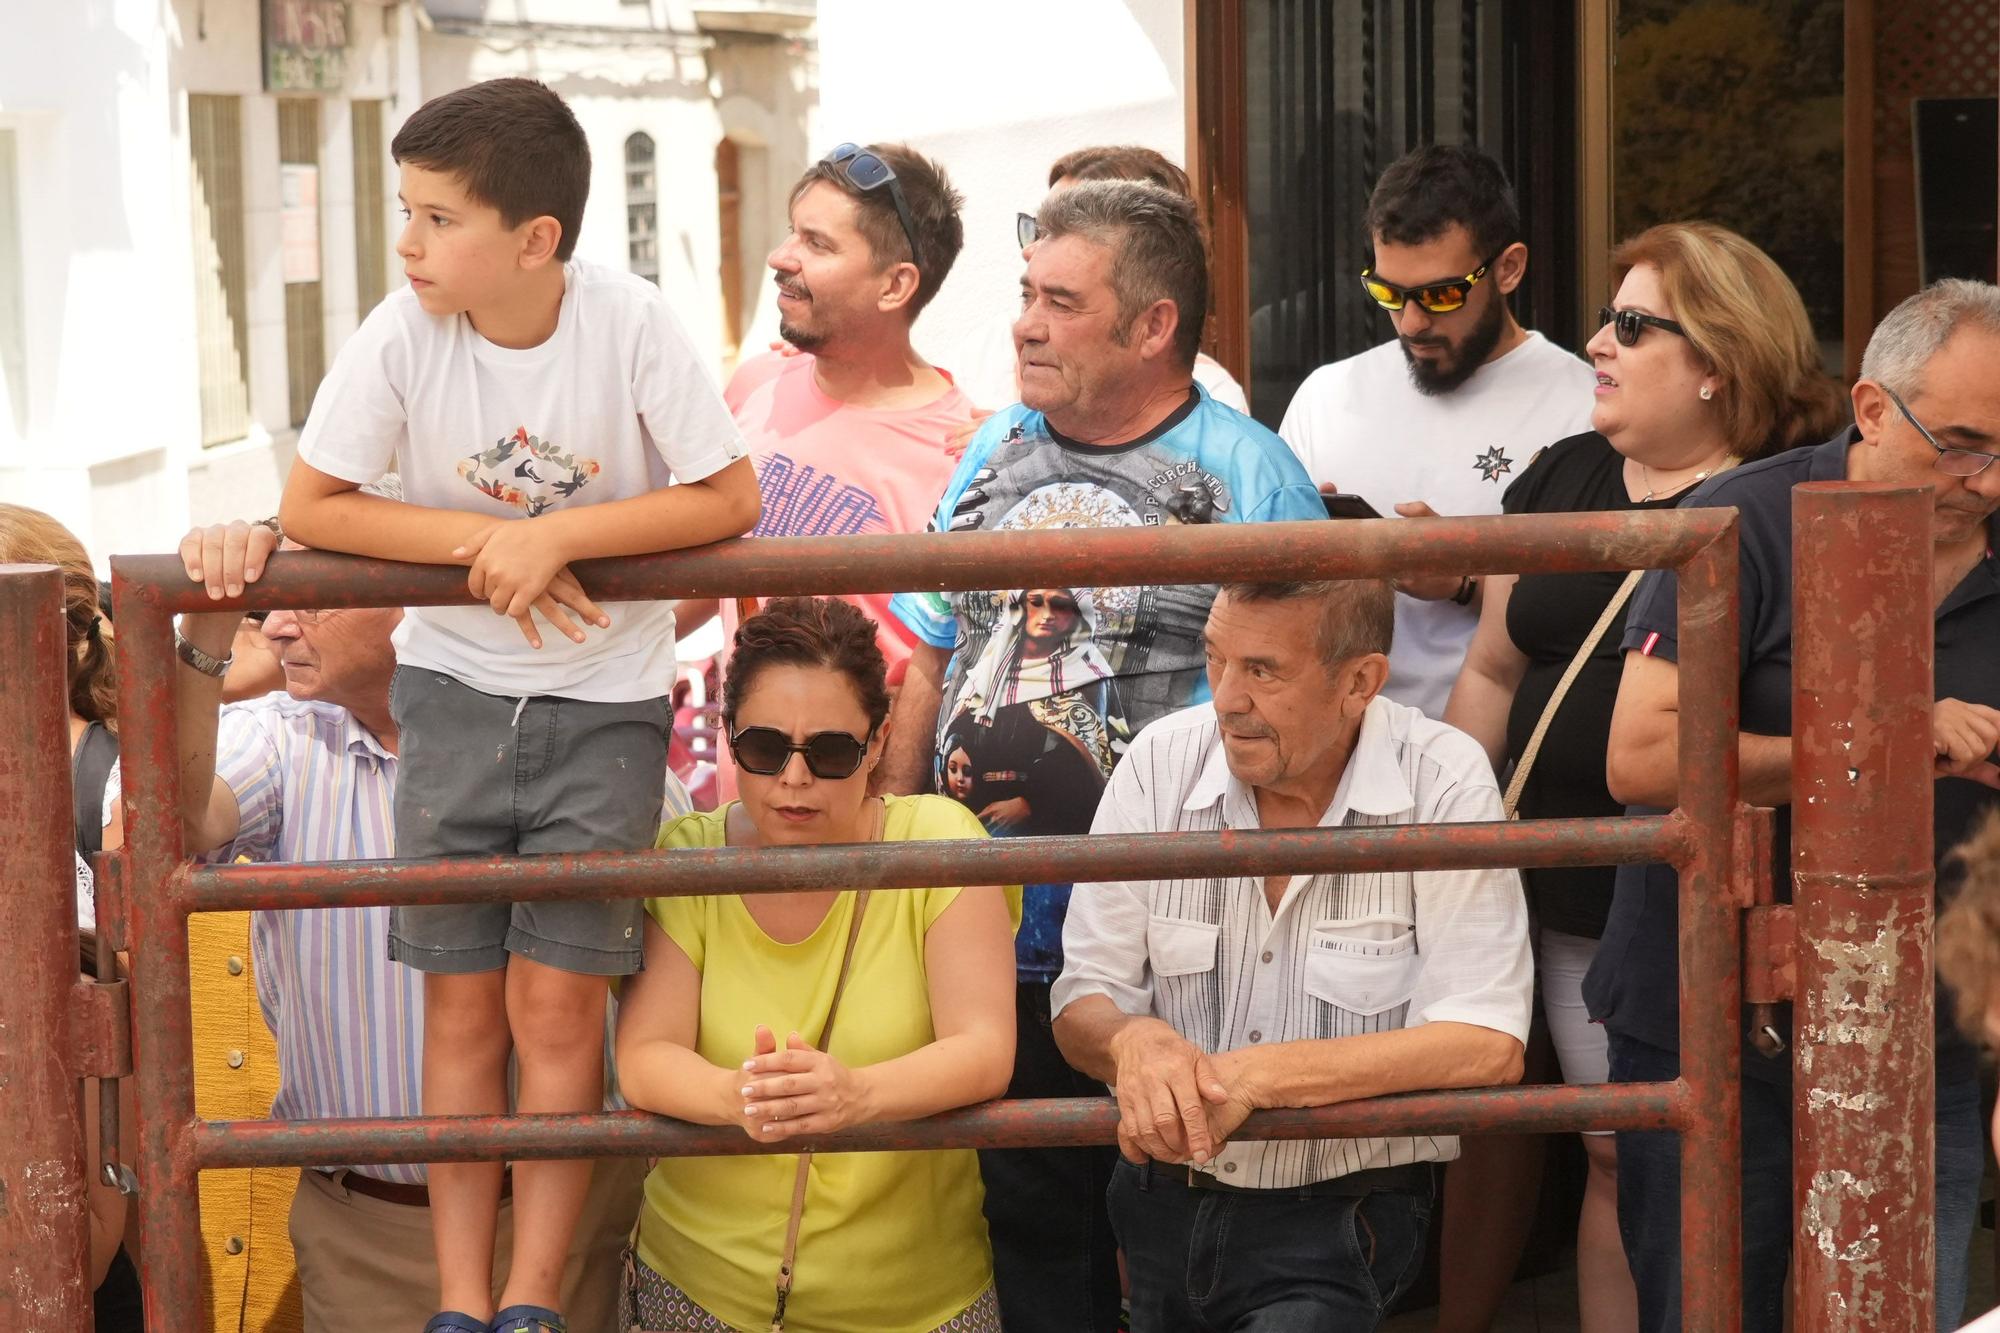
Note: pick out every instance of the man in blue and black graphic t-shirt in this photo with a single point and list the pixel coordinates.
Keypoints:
(1025, 720)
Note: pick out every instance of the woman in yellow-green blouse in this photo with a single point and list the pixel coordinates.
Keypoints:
(721, 1026)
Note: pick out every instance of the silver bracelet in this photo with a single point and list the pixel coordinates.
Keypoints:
(206, 663)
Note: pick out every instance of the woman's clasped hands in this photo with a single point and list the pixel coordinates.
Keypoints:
(797, 1091)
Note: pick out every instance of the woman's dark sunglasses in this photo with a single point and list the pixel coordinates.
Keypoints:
(829, 754)
(1439, 298)
(865, 172)
(1629, 324)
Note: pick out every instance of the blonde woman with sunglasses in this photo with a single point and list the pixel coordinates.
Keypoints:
(1705, 358)
(793, 1015)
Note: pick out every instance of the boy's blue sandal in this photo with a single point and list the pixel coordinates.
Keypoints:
(528, 1319)
(452, 1321)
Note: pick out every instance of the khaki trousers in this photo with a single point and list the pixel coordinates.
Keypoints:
(366, 1264)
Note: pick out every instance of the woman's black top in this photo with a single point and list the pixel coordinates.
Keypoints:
(1548, 618)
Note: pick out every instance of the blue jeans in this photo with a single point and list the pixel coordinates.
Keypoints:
(1649, 1196)
(1269, 1261)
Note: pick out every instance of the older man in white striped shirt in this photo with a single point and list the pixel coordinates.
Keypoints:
(310, 775)
(1201, 1000)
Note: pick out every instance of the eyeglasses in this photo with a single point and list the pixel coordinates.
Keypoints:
(1631, 323)
(1026, 232)
(865, 171)
(1439, 298)
(829, 754)
(1951, 462)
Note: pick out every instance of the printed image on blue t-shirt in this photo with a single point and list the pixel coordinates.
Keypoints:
(1049, 685)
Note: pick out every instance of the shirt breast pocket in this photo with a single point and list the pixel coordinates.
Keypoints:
(1177, 947)
(1361, 968)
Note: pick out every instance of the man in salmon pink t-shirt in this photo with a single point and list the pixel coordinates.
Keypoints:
(849, 431)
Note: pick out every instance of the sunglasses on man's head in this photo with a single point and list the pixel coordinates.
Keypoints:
(865, 171)
(1026, 230)
(829, 754)
(1439, 298)
(1629, 324)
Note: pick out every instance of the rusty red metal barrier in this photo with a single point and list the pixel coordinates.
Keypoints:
(161, 890)
(44, 1226)
(1864, 1119)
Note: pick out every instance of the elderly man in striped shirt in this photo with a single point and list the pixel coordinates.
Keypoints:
(1201, 1000)
(310, 775)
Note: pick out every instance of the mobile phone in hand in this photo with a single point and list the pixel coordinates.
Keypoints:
(1342, 505)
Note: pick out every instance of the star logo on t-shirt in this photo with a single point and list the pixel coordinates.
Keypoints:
(1493, 463)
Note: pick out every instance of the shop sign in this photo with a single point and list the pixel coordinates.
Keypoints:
(305, 45)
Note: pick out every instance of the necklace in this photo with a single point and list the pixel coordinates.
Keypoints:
(1653, 493)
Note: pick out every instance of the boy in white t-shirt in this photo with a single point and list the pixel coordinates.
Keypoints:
(535, 407)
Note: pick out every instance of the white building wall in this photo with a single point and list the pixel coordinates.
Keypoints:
(97, 96)
(996, 93)
(88, 92)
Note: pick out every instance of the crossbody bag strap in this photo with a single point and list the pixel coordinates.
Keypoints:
(788, 1257)
(1515, 785)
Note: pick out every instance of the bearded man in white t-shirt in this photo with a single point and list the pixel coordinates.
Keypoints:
(1440, 419)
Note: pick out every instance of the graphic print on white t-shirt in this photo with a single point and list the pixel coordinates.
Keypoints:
(614, 404)
(527, 473)
(1360, 424)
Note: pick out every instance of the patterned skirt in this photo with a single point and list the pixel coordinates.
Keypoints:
(661, 1307)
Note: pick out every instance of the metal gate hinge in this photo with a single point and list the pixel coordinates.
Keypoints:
(1770, 971)
(100, 1029)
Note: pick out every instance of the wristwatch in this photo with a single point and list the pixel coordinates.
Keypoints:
(206, 663)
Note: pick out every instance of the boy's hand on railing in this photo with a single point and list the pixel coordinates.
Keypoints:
(226, 556)
(518, 568)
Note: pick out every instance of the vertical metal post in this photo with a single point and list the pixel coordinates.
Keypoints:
(1710, 947)
(1864, 1118)
(44, 1213)
(162, 1019)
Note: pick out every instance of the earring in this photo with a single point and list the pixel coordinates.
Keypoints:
(1706, 393)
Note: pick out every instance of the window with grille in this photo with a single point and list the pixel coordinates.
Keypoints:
(371, 238)
(299, 251)
(642, 213)
(1318, 96)
(221, 270)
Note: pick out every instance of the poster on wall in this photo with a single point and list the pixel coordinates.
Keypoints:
(298, 221)
(305, 45)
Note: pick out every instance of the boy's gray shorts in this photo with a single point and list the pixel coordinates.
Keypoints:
(479, 774)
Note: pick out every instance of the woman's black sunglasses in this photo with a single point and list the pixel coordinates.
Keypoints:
(1631, 323)
(829, 754)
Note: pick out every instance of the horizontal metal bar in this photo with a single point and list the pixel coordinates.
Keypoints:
(1171, 553)
(1076, 859)
(1029, 1123)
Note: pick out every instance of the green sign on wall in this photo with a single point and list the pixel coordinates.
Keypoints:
(305, 45)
